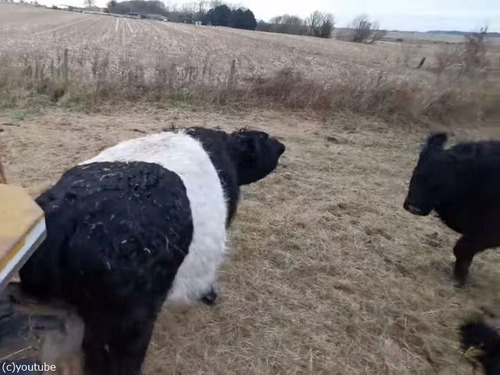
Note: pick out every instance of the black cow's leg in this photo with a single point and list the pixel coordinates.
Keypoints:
(465, 249)
(94, 348)
(117, 345)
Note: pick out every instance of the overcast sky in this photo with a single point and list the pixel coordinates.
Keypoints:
(418, 15)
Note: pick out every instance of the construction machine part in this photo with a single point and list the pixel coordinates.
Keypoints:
(22, 230)
(38, 338)
(3, 180)
(35, 337)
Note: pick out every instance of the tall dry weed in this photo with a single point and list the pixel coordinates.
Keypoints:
(373, 95)
(90, 78)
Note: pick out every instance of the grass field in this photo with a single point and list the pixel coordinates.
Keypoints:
(46, 31)
(87, 59)
(328, 274)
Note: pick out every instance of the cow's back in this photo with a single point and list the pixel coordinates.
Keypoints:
(473, 203)
(185, 156)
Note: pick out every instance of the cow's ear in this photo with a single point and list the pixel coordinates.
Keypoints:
(245, 147)
(435, 142)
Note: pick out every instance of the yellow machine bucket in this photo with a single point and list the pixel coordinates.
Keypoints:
(33, 331)
(22, 229)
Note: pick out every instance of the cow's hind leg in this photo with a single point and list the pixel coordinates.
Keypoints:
(117, 344)
(465, 249)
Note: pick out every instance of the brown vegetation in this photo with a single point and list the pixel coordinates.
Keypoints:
(468, 56)
(364, 93)
(327, 274)
(362, 30)
(151, 61)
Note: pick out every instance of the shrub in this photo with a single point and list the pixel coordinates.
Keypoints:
(362, 30)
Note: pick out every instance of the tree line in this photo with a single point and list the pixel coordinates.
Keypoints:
(208, 13)
(318, 24)
(216, 13)
(222, 15)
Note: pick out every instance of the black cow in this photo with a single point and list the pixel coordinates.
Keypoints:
(462, 185)
(142, 223)
(486, 339)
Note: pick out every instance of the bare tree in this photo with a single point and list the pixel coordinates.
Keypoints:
(474, 55)
(320, 24)
(360, 29)
(293, 20)
(111, 4)
(168, 5)
(377, 33)
(288, 24)
(203, 6)
(276, 20)
(287, 19)
(314, 21)
(365, 31)
(88, 3)
(188, 8)
(327, 26)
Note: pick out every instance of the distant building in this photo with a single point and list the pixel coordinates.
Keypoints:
(157, 17)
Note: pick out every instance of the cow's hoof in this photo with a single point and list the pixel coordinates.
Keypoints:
(210, 298)
(460, 276)
(459, 282)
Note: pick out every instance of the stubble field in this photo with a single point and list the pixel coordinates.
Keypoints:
(46, 32)
(85, 59)
(327, 273)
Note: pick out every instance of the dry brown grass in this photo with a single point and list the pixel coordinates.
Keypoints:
(364, 93)
(327, 275)
(116, 59)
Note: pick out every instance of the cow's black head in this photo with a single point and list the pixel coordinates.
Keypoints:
(431, 178)
(252, 154)
(255, 154)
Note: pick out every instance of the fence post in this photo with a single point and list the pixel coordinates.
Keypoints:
(65, 65)
(421, 62)
(232, 74)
